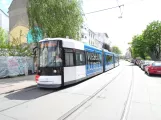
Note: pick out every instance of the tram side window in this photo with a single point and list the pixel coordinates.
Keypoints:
(69, 61)
(100, 58)
(80, 58)
(108, 58)
(111, 60)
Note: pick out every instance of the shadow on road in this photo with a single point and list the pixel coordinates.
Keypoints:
(156, 76)
(33, 93)
(153, 75)
(28, 94)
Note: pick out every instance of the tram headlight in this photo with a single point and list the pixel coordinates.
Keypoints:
(54, 71)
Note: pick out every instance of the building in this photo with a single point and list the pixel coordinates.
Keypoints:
(84, 34)
(102, 38)
(4, 21)
(18, 20)
(91, 37)
(128, 54)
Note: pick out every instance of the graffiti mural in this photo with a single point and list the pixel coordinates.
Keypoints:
(13, 66)
(3, 67)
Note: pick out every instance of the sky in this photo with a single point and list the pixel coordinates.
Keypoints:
(137, 14)
(4, 4)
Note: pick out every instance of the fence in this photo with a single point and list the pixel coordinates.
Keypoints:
(14, 66)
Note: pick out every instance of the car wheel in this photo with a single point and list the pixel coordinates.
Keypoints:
(148, 73)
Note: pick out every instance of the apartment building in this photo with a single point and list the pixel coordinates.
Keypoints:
(4, 21)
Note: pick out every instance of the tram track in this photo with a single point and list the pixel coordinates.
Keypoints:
(129, 98)
(74, 109)
(127, 103)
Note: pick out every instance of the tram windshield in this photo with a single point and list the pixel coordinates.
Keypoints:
(50, 54)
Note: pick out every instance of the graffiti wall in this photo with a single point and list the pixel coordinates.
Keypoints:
(13, 66)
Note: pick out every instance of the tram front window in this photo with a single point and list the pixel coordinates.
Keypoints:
(50, 54)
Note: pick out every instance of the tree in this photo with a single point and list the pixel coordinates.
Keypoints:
(14, 48)
(55, 18)
(138, 46)
(106, 46)
(3, 37)
(152, 38)
(116, 50)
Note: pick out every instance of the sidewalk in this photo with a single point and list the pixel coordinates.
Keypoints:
(16, 83)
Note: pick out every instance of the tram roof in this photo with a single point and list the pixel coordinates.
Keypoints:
(68, 43)
(66, 40)
(52, 39)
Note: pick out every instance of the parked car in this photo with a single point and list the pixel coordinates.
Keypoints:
(133, 60)
(146, 63)
(154, 68)
(141, 62)
(137, 61)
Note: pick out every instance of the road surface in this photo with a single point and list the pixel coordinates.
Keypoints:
(123, 93)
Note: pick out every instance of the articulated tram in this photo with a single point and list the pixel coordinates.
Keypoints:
(65, 61)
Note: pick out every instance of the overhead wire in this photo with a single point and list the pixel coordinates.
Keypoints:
(104, 9)
(121, 12)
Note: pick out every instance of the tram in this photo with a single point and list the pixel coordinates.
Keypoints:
(65, 61)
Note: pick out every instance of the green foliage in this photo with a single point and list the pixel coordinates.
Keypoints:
(56, 18)
(106, 46)
(148, 58)
(152, 37)
(138, 47)
(15, 48)
(116, 50)
(148, 44)
(3, 36)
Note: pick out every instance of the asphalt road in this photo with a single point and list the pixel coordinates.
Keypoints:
(113, 95)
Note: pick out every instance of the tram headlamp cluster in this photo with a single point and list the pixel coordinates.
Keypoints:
(54, 71)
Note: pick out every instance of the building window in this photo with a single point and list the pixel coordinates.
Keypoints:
(69, 61)
(80, 58)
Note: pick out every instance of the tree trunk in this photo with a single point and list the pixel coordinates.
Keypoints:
(153, 56)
